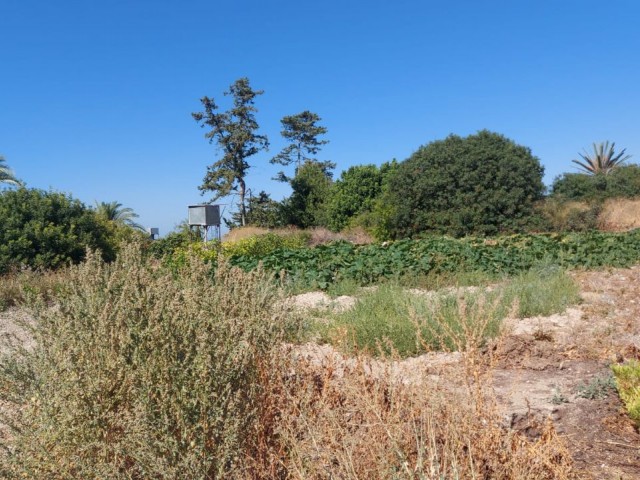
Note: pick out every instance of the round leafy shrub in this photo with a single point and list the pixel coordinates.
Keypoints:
(43, 230)
(481, 184)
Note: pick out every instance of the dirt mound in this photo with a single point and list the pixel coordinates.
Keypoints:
(531, 351)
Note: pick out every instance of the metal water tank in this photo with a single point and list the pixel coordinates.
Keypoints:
(204, 215)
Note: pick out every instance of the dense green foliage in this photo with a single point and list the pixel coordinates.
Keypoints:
(41, 229)
(623, 181)
(628, 384)
(262, 212)
(355, 194)
(306, 206)
(321, 266)
(481, 184)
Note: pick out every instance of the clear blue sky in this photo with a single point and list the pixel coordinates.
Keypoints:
(96, 97)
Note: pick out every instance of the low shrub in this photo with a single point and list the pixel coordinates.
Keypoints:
(598, 388)
(569, 216)
(264, 244)
(141, 373)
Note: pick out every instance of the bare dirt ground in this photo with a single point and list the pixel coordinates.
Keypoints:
(544, 367)
(540, 367)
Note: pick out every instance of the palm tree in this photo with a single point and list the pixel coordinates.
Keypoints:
(603, 160)
(6, 175)
(115, 212)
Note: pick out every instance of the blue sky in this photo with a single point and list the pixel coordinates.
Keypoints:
(96, 97)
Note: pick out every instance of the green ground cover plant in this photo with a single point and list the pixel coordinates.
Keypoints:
(597, 389)
(324, 265)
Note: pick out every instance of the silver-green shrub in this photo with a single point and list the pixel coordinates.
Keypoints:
(140, 372)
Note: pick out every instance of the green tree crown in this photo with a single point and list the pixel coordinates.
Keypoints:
(306, 206)
(355, 193)
(235, 132)
(6, 175)
(115, 212)
(302, 132)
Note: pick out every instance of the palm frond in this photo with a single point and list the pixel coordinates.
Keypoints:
(115, 212)
(603, 159)
(6, 175)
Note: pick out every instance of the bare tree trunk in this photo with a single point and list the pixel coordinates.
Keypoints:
(243, 210)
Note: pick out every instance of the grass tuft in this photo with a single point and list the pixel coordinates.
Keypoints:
(391, 318)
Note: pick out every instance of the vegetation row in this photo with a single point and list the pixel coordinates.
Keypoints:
(324, 265)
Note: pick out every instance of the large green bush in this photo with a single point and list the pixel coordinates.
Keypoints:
(481, 184)
(623, 181)
(40, 229)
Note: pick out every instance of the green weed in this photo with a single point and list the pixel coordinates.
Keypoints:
(627, 377)
(542, 292)
(598, 388)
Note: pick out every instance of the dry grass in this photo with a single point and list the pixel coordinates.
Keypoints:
(352, 426)
(240, 233)
(16, 287)
(317, 235)
(620, 215)
(567, 215)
